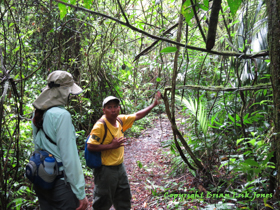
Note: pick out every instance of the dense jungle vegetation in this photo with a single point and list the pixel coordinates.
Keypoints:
(215, 62)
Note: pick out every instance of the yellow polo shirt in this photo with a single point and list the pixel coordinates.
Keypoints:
(111, 157)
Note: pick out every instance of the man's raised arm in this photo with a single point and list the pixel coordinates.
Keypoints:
(142, 113)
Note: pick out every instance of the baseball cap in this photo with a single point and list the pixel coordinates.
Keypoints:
(109, 98)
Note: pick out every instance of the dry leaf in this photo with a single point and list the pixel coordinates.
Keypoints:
(144, 205)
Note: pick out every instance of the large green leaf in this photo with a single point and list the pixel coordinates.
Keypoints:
(62, 9)
(234, 5)
(187, 11)
(206, 3)
(169, 50)
(231, 118)
(202, 6)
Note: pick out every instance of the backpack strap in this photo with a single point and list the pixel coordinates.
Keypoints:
(41, 127)
(48, 137)
(106, 128)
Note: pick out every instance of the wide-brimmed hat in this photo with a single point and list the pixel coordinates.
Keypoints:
(56, 93)
(110, 98)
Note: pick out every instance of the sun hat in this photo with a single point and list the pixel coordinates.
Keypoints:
(109, 98)
(56, 93)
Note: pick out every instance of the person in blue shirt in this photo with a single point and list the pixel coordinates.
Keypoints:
(50, 114)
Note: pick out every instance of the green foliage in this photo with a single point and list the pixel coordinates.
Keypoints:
(169, 50)
(62, 9)
(19, 202)
(234, 5)
(187, 9)
(198, 112)
(87, 3)
(39, 37)
(257, 156)
(140, 165)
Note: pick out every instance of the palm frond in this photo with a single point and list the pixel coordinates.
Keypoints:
(201, 114)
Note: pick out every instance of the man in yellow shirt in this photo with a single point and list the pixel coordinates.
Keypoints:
(110, 180)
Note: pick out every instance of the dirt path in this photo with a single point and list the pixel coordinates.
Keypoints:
(147, 166)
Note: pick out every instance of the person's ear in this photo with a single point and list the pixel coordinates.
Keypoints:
(103, 111)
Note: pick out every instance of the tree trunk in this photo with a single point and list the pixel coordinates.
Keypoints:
(273, 8)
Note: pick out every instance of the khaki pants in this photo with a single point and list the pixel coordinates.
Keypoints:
(111, 187)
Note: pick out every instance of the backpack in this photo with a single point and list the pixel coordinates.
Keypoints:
(35, 169)
(36, 172)
(93, 159)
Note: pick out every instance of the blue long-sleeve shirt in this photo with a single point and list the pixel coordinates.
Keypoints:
(58, 126)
